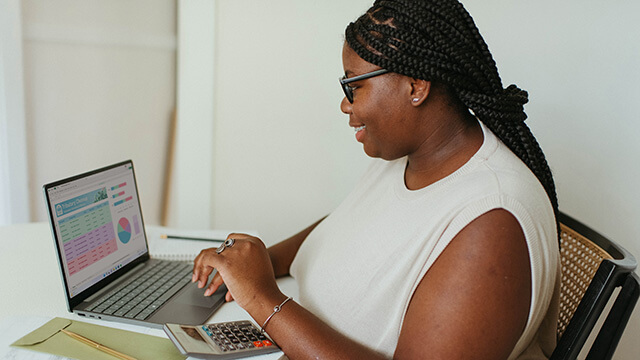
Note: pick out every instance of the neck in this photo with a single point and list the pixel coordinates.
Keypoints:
(457, 136)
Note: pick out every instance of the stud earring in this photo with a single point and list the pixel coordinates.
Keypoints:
(416, 100)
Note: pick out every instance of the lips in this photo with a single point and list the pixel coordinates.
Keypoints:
(360, 132)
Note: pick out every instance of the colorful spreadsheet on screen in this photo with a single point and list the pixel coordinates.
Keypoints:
(88, 236)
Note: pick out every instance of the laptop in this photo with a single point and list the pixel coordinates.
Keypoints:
(106, 269)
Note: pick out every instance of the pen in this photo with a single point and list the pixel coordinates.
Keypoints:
(98, 346)
(164, 236)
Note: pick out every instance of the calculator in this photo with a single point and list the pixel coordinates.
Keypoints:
(224, 340)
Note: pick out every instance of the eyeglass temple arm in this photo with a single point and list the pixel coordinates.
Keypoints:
(363, 76)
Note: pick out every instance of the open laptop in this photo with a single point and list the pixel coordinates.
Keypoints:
(107, 272)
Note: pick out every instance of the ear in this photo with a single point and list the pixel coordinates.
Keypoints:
(420, 90)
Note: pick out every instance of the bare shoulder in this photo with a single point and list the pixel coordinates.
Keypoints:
(474, 301)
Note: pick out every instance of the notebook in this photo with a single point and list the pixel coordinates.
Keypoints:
(179, 244)
(103, 253)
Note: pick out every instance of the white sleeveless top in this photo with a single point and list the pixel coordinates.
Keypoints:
(360, 266)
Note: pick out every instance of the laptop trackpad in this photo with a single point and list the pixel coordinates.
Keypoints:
(189, 306)
(192, 295)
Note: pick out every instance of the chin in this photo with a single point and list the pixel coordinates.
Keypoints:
(374, 153)
(370, 152)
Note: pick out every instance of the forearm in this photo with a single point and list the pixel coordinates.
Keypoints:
(302, 335)
(283, 253)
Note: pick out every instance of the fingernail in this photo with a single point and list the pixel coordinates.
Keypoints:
(200, 284)
(193, 278)
(207, 292)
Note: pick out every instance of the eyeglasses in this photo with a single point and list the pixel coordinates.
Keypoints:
(348, 90)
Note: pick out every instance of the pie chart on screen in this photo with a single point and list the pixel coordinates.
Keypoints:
(124, 230)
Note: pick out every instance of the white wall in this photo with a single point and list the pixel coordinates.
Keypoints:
(284, 153)
(14, 204)
(193, 153)
(99, 74)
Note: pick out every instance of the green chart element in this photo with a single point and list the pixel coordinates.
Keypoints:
(84, 222)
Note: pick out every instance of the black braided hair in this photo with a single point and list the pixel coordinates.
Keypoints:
(437, 40)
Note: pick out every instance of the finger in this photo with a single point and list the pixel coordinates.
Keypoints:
(203, 268)
(228, 297)
(214, 285)
(197, 263)
(195, 271)
(203, 276)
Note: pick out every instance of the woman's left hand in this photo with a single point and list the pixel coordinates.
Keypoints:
(245, 267)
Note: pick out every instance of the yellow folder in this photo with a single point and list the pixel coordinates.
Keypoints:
(49, 339)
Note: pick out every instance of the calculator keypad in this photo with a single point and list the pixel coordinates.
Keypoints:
(237, 335)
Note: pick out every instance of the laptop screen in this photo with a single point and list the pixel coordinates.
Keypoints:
(98, 225)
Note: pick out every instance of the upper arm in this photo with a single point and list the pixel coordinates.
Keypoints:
(474, 301)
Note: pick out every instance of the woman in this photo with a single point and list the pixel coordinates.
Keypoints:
(447, 248)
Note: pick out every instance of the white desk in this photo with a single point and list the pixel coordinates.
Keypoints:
(32, 287)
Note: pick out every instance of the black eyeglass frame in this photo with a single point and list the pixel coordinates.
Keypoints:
(345, 81)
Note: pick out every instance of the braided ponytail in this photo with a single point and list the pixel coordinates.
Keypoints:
(437, 40)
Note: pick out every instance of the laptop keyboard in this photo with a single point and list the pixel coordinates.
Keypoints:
(146, 293)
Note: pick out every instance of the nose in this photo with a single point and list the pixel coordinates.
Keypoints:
(345, 106)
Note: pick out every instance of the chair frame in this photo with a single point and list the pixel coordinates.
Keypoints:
(611, 274)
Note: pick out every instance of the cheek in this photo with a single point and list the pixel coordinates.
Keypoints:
(378, 105)
(382, 108)
(389, 98)
(382, 117)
